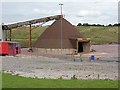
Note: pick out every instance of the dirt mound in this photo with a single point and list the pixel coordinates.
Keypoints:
(60, 29)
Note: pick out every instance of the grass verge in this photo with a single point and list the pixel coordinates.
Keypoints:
(10, 81)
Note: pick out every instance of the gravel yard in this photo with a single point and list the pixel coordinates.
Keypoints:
(64, 66)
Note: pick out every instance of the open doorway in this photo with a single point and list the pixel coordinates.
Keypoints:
(16, 50)
(80, 47)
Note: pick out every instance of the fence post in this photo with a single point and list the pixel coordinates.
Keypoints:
(81, 57)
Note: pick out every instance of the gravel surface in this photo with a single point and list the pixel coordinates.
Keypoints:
(43, 67)
(57, 66)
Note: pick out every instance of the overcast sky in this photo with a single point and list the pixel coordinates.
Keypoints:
(75, 11)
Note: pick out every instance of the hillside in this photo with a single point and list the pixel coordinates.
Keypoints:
(98, 34)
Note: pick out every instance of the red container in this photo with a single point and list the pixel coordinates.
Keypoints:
(4, 48)
(9, 48)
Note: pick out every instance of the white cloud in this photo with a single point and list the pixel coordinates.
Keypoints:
(42, 11)
(36, 10)
(47, 11)
(89, 13)
(59, 12)
(83, 12)
(60, 0)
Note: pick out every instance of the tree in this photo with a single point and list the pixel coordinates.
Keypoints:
(116, 24)
(110, 25)
(79, 24)
(85, 24)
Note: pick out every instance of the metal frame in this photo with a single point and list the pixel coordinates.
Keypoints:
(30, 22)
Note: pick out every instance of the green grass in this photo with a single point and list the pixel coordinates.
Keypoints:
(98, 34)
(23, 32)
(22, 35)
(24, 42)
(10, 81)
(0, 80)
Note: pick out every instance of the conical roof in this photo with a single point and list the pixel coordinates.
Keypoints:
(51, 37)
